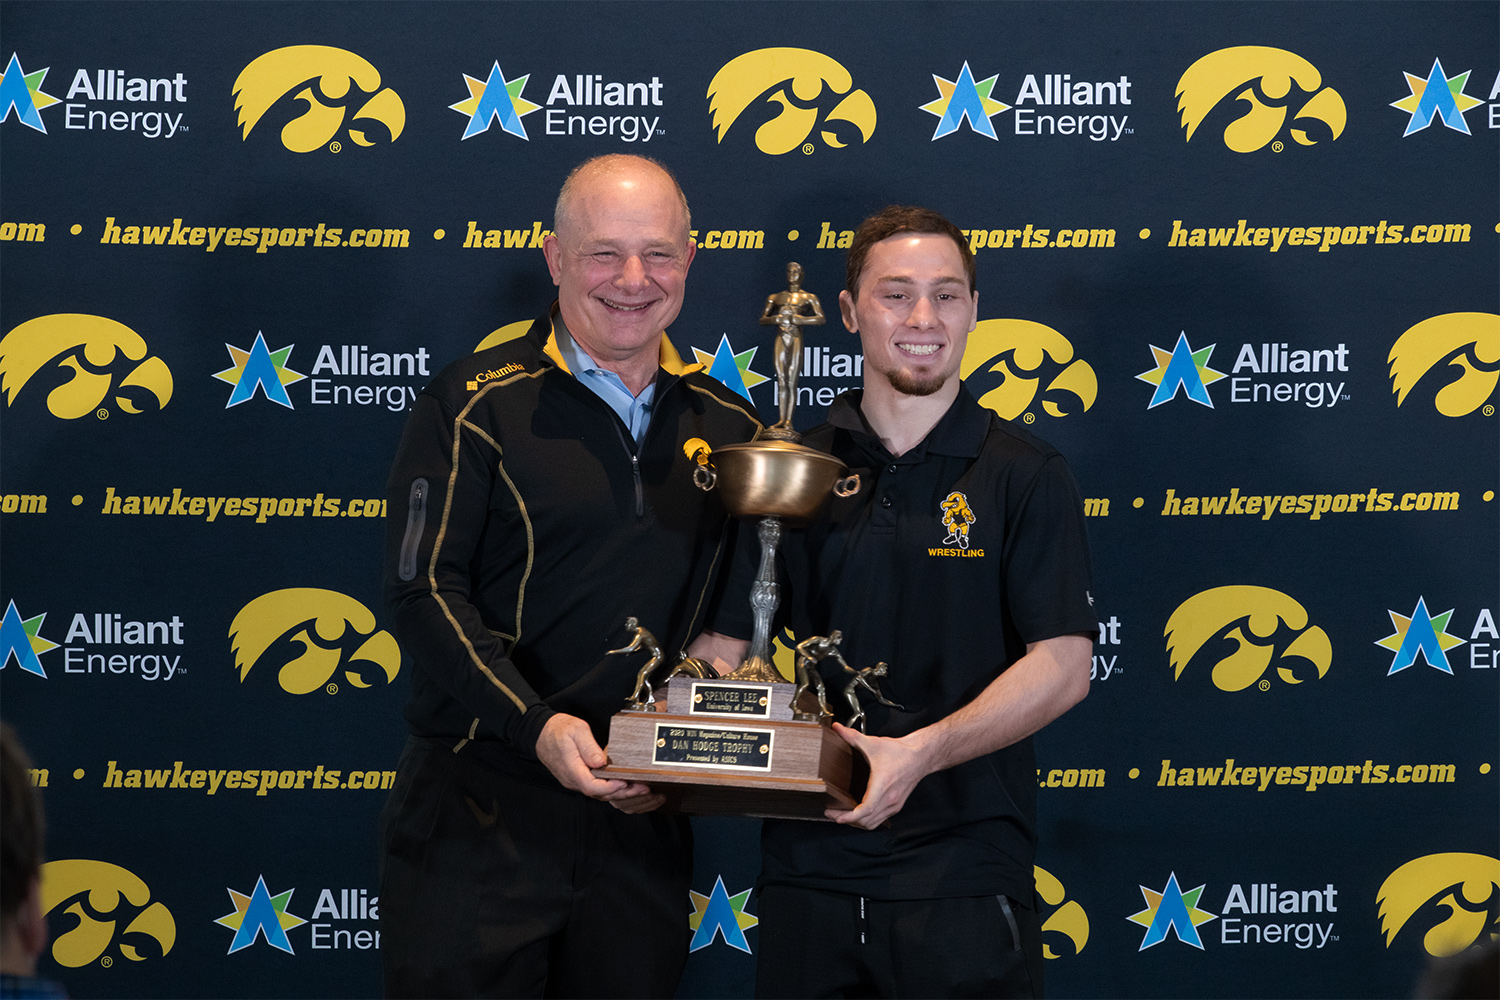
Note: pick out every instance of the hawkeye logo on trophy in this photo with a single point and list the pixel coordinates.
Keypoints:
(750, 743)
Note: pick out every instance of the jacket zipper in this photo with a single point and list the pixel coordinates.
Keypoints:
(635, 472)
(416, 518)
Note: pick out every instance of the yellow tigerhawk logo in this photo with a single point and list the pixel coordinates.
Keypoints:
(1254, 618)
(1469, 342)
(1262, 77)
(109, 909)
(957, 516)
(331, 628)
(1008, 360)
(330, 81)
(1466, 885)
(766, 73)
(101, 354)
(1068, 919)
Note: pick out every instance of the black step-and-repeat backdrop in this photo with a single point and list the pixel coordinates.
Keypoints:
(1238, 261)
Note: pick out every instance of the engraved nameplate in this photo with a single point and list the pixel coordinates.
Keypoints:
(711, 747)
(739, 698)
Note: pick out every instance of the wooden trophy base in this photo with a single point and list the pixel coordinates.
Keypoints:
(720, 766)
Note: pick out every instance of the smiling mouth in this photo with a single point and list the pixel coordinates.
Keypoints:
(921, 350)
(626, 307)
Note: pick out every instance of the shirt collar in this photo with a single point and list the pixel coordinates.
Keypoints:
(960, 432)
(564, 351)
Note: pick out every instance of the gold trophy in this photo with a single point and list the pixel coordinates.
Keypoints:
(751, 743)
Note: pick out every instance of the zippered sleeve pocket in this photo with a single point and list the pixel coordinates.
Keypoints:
(416, 523)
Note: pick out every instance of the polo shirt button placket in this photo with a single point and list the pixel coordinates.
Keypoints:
(886, 501)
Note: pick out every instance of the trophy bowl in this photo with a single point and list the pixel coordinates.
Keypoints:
(775, 479)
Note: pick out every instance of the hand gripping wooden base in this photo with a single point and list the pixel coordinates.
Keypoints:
(736, 765)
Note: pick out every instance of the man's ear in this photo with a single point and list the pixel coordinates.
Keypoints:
(552, 250)
(846, 310)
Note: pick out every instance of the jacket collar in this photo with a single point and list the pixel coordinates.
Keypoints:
(669, 360)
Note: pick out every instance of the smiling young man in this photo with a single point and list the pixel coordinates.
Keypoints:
(541, 497)
(963, 564)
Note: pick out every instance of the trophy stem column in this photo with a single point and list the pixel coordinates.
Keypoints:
(765, 598)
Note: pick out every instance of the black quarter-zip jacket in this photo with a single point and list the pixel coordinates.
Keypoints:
(524, 526)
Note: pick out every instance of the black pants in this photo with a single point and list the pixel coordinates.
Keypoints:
(497, 887)
(828, 944)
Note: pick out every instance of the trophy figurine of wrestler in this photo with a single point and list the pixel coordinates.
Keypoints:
(789, 312)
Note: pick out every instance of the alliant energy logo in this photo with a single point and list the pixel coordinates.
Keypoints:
(1422, 634)
(722, 915)
(732, 367)
(260, 915)
(334, 631)
(107, 644)
(964, 99)
(338, 93)
(259, 368)
(1181, 369)
(814, 93)
(82, 363)
(1451, 900)
(105, 100)
(1266, 627)
(581, 104)
(1171, 911)
(103, 913)
(1010, 364)
(1283, 91)
(1268, 359)
(21, 92)
(1044, 105)
(1438, 96)
(348, 374)
(21, 640)
(1253, 913)
(495, 99)
(1455, 356)
(1066, 921)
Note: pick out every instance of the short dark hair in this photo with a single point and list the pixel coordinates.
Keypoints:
(903, 218)
(20, 826)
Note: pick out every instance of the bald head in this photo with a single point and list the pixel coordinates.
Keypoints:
(619, 168)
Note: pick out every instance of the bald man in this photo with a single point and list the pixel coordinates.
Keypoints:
(541, 496)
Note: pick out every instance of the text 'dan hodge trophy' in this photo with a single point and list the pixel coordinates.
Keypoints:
(752, 743)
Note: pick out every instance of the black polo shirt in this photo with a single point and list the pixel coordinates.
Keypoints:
(950, 559)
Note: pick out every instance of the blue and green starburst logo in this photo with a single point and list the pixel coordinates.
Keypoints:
(1181, 368)
(731, 368)
(259, 367)
(720, 914)
(21, 92)
(21, 638)
(1423, 633)
(260, 914)
(1171, 910)
(963, 98)
(495, 98)
(1438, 96)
